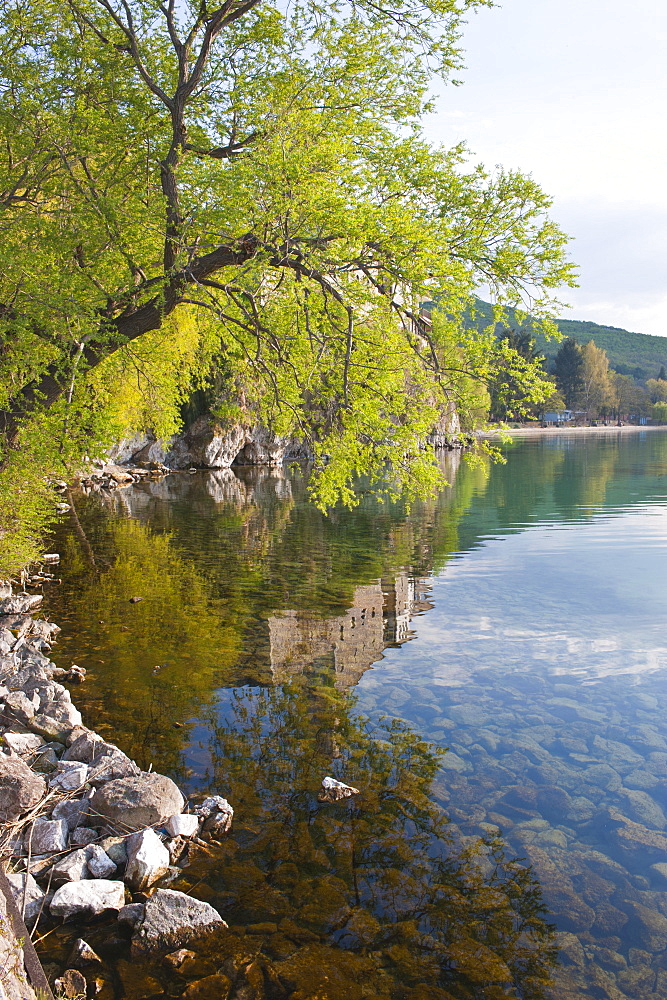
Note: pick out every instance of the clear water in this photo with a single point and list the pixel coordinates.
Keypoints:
(518, 621)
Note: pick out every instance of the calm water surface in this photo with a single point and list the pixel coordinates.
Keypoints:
(517, 622)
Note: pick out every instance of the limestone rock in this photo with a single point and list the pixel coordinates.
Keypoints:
(46, 836)
(217, 813)
(20, 604)
(18, 706)
(171, 920)
(20, 789)
(333, 790)
(68, 776)
(22, 743)
(50, 728)
(139, 801)
(111, 766)
(85, 748)
(100, 864)
(72, 868)
(183, 825)
(33, 894)
(88, 897)
(83, 836)
(147, 859)
(73, 811)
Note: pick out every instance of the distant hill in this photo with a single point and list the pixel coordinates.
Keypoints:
(638, 354)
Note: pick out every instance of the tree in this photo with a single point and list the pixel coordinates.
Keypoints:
(513, 394)
(657, 389)
(662, 375)
(568, 370)
(597, 393)
(185, 185)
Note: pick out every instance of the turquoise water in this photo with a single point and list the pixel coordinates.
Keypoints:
(518, 622)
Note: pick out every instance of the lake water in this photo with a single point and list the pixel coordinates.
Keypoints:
(517, 622)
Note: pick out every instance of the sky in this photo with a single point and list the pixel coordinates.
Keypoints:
(574, 92)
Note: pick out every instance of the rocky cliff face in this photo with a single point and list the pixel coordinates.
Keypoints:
(208, 445)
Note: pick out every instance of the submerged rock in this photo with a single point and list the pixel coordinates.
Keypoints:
(333, 790)
(171, 920)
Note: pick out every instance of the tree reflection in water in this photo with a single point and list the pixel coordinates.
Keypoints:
(374, 896)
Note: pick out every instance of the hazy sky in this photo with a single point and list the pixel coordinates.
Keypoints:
(574, 92)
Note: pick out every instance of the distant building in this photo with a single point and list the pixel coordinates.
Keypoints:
(557, 417)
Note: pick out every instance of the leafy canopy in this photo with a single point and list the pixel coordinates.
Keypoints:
(246, 186)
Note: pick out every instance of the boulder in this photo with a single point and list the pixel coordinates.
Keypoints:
(72, 868)
(46, 836)
(136, 802)
(171, 920)
(100, 864)
(217, 814)
(111, 766)
(83, 836)
(24, 884)
(147, 859)
(73, 811)
(82, 955)
(50, 728)
(88, 897)
(85, 748)
(131, 914)
(18, 706)
(20, 789)
(22, 743)
(20, 604)
(183, 825)
(71, 985)
(68, 776)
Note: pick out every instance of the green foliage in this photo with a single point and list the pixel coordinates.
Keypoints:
(183, 188)
(569, 371)
(639, 355)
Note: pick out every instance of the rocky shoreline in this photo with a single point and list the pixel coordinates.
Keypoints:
(83, 831)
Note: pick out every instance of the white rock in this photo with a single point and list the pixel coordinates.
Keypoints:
(100, 864)
(69, 775)
(147, 859)
(22, 743)
(88, 897)
(218, 815)
(47, 836)
(183, 825)
(71, 868)
(333, 790)
(33, 894)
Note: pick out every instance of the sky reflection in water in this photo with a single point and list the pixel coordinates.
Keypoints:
(519, 621)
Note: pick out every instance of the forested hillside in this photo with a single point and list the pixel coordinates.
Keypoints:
(637, 354)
